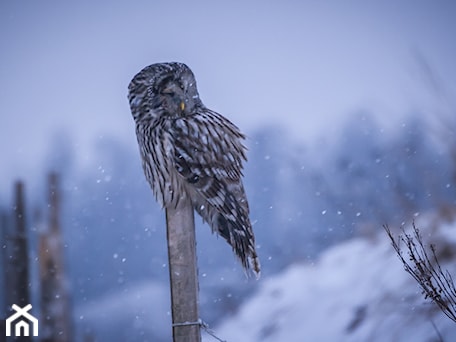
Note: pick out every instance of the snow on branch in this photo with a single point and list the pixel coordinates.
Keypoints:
(424, 267)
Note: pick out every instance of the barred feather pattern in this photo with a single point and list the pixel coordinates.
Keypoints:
(191, 152)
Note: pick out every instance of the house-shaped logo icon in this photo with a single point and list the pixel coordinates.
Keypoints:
(21, 321)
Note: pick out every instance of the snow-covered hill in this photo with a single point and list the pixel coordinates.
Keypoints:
(357, 291)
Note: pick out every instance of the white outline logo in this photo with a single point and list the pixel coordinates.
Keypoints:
(21, 325)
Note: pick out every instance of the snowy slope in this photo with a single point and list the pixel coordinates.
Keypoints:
(357, 291)
(139, 314)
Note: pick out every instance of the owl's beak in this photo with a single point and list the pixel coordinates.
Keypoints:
(182, 106)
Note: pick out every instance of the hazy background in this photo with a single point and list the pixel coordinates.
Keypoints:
(349, 108)
(302, 64)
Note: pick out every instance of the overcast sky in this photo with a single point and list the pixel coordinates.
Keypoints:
(304, 64)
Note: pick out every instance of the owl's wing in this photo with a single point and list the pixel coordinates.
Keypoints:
(209, 153)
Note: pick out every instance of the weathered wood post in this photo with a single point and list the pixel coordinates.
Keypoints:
(20, 259)
(18, 268)
(54, 297)
(4, 263)
(183, 273)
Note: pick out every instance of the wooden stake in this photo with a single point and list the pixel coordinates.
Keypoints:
(19, 259)
(18, 268)
(183, 273)
(4, 231)
(55, 307)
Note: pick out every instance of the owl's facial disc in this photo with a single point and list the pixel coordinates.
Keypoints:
(173, 98)
(179, 96)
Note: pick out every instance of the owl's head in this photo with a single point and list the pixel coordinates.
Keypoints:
(163, 89)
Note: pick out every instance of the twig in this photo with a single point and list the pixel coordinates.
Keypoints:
(435, 283)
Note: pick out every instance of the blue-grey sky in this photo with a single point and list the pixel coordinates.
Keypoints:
(304, 64)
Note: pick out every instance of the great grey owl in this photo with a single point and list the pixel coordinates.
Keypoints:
(191, 152)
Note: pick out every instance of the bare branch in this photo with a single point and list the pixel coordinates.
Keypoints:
(425, 268)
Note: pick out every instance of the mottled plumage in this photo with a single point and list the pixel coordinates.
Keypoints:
(190, 151)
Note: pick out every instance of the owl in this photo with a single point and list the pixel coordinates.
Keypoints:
(191, 153)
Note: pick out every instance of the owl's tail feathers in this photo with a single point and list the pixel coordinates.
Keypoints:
(239, 236)
(255, 264)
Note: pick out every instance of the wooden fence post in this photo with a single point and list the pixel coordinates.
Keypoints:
(19, 252)
(18, 268)
(183, 273)
(4, 231)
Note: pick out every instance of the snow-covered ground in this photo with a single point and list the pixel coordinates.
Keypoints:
(139, 314)
(356, 291)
